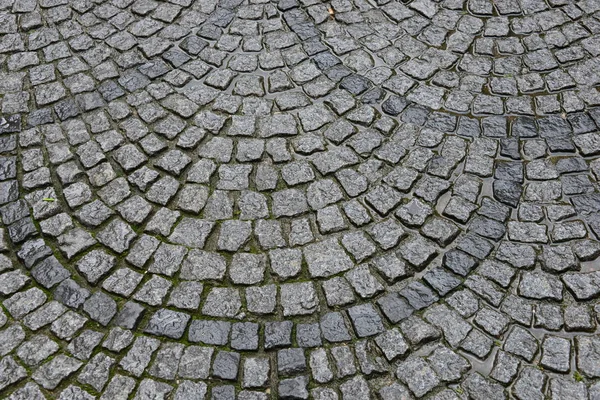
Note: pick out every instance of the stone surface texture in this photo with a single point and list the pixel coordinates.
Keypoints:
(300, 199)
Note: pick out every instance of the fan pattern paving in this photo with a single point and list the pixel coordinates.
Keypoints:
(294, 199)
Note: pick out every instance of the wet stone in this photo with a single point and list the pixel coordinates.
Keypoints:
(334, 328)
(209, 332)
(394, 307)
(521, 343)
(278, 334)
(100, 307)
(505, 367)
(293, 388)
(52, 373)
(540, 285)
(417, 331)
(556, 354)
(454, 328)
(418, 295)
(587, 357)
(529, 384)
(225, 365)
(418, 376)
(448, 365)
(308, 335)
(36, 349)
(477, 344)
(480, 388)
(167, 323)
(567, 388)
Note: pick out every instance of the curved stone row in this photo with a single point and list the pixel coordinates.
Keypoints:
(485, 58)
(259, 200)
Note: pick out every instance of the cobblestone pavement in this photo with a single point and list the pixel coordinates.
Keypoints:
(293, 199)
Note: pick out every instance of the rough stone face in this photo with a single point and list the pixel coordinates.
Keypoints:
(294, 388)
(189, 389)
(195, 362)
(540, 285)
(256, 372)
(37, 349)
(299, 299)
(222, 302)
(583, 286)
(32, 391)
(392, 344)
(308, 335)
(100, 307)
(505, 367)
(200, 265)
(11, 372)
(53, 372)
(333, 327)
(448, 365)
(225, 365)
(530, 384)
(365, 319)
(418, 375)
(587, 355)
(167, 323)
(455, 329)
(326, 258)
(479, 388)
(120, 386)
(44, 315)
(139, 355)
(556, 354)
(96, 372)
(521, 343)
